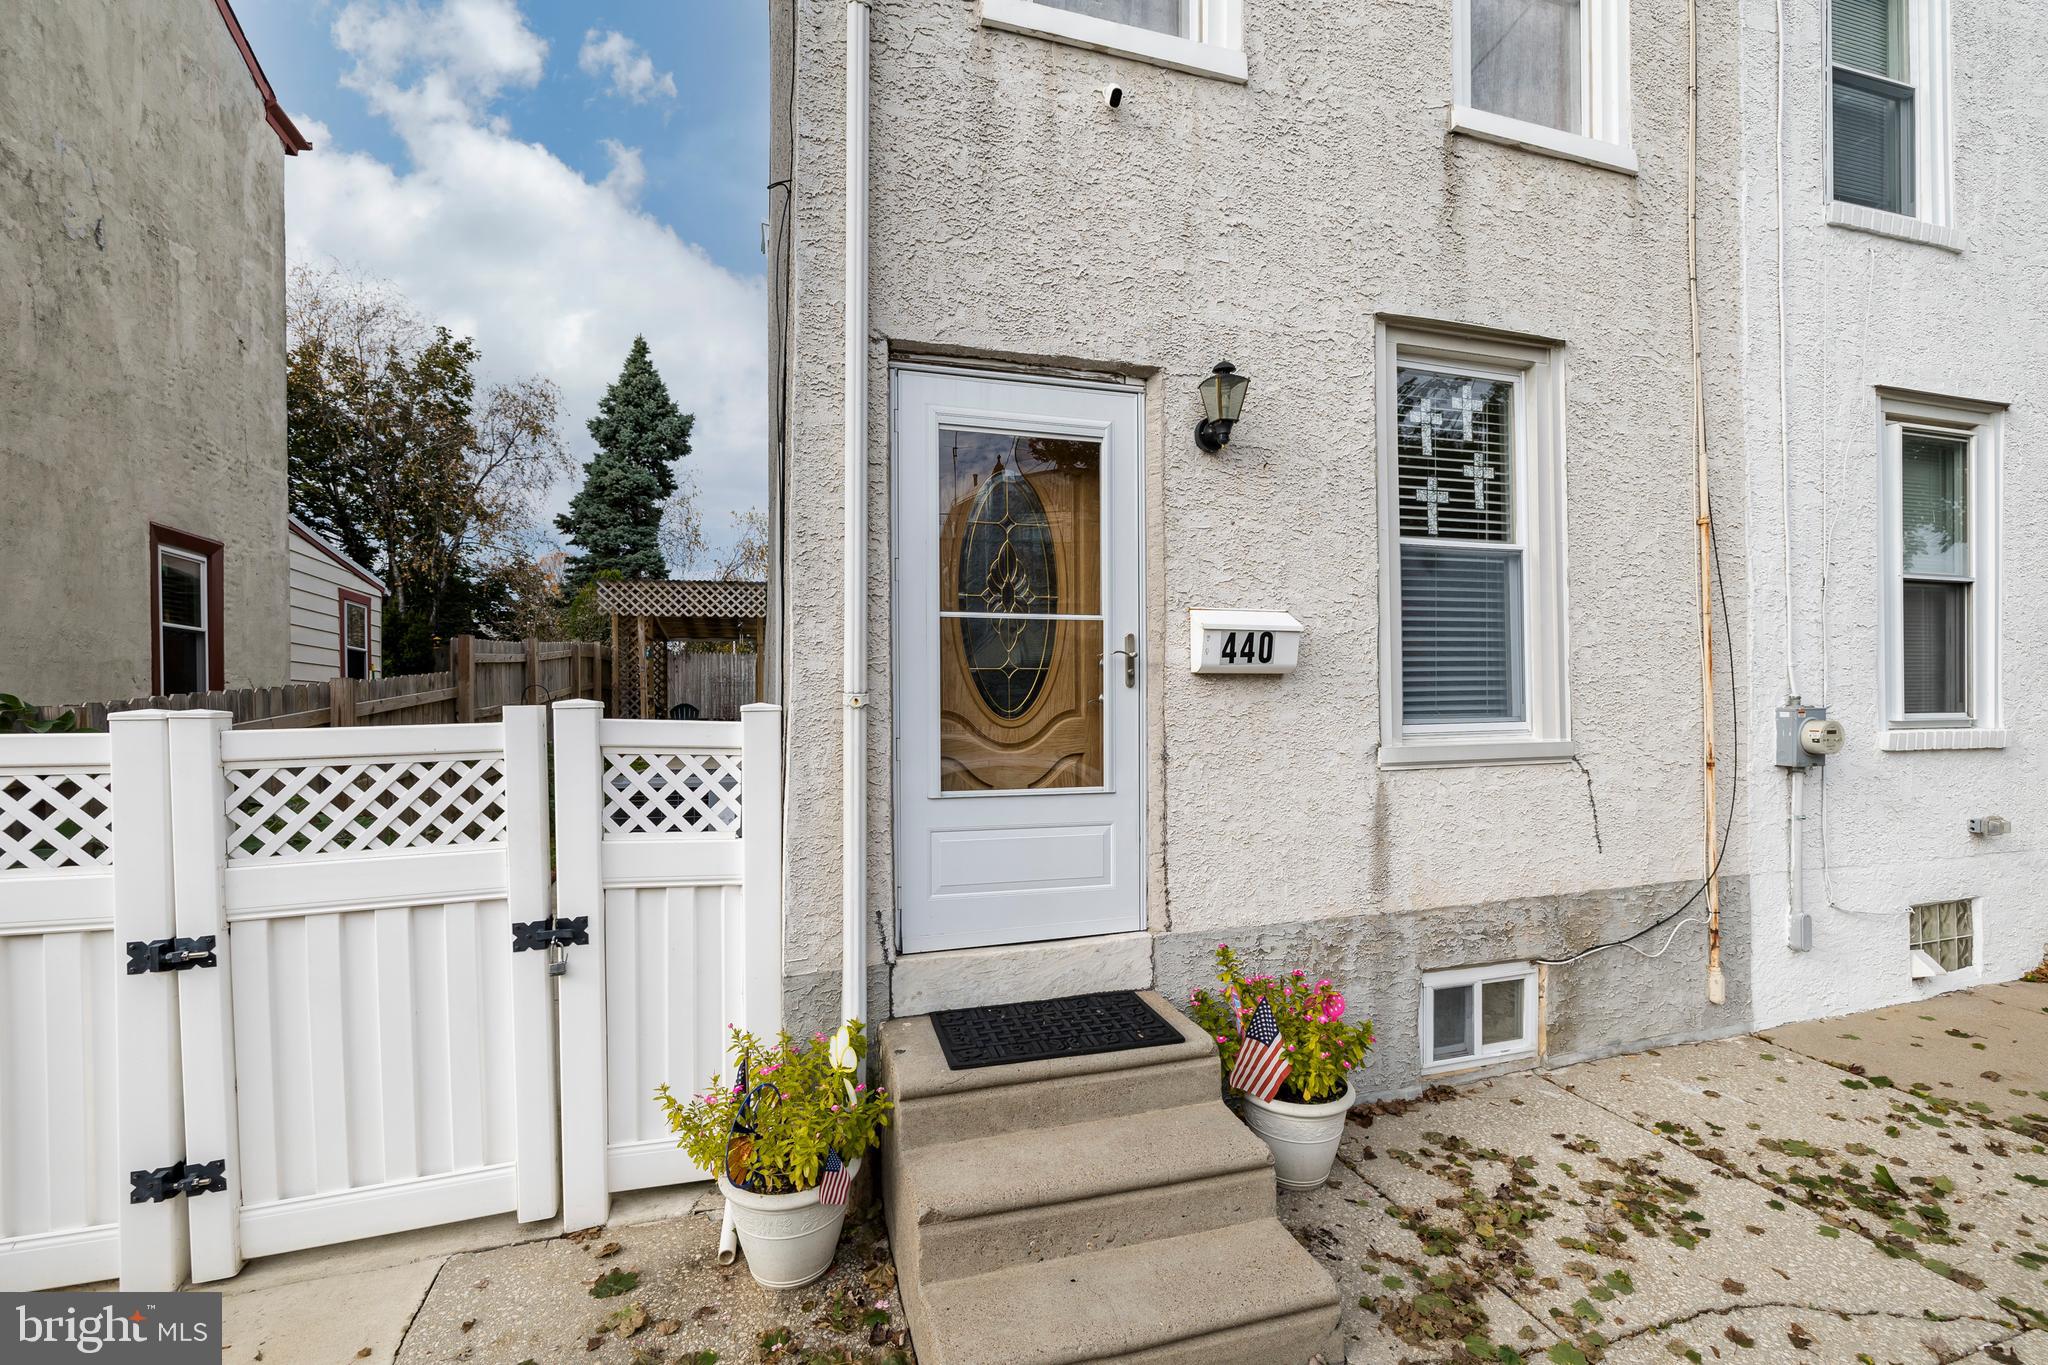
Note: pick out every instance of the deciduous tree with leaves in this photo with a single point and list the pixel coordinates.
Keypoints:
(397, 456)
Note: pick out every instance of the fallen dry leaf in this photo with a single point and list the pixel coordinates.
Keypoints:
(608, 1249)
(668, 1327)
(709, 1310)
(630, 1322)
(593, 1343)
(468, 1323)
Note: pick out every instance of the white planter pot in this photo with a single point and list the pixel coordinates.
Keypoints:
(789, 1238)
(1303, 1137)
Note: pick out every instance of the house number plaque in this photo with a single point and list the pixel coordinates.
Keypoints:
(1243, 641)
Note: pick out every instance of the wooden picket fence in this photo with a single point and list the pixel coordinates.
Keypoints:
(483, 677)
(717, 683)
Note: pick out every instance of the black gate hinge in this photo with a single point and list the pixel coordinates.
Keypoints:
(171, 954)
(188, 1179)
(543, 934)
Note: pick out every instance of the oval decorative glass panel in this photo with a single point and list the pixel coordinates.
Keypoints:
(1007, 568)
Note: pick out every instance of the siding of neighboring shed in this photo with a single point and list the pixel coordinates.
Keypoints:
(316, 587)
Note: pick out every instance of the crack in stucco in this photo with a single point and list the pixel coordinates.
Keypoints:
(1591, 804)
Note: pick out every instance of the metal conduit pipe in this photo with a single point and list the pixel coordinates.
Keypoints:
(853, 821)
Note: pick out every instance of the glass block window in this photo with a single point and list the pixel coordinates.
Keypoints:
(1461, 559)
(1945, 931)
(1873, 100)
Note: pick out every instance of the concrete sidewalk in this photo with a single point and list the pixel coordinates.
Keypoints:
(1866, 1189)
(501, 1294)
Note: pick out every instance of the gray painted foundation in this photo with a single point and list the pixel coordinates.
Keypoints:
(1619, 1000)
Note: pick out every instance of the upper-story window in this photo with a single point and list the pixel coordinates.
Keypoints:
(1548, 75)
(1941, 495)
(1888, 115)
(1201, 36)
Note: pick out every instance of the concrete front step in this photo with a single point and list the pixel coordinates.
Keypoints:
(1093, 1208)
(1044, 1193)
(935, 1104)
(1245, 1295)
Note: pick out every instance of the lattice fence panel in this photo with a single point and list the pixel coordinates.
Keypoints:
(56, 820)
(669, 791)
(376, 805)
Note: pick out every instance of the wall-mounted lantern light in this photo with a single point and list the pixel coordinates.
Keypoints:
(1222, 401)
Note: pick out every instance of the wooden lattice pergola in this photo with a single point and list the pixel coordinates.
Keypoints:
(648, 614)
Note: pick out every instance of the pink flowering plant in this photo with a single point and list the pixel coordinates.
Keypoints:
(1323, 1047)
(801, 1100)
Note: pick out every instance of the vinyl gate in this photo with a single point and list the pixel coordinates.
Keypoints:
(324, 967)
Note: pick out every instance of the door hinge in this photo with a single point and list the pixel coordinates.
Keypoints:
(171, 954)
(551, 936)
(190, 1179)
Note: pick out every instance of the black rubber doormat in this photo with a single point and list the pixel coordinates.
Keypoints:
(1037, 1030)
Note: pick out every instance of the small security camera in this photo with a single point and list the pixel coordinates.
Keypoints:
(1111, 95)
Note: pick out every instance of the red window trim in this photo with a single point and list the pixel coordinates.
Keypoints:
(341, 633)
(215, 555)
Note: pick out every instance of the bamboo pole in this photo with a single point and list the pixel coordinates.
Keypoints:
(1717, 987)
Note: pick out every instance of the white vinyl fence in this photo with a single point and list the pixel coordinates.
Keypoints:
(662, 842)
(327, 970)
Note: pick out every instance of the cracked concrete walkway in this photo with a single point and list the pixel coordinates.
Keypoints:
(1868, 1189)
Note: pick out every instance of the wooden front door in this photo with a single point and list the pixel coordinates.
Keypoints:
(1019, 796)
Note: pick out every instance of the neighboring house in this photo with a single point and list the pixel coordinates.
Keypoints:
(337, 611)
(1448, 245)
(142, 415)
(1915, 401)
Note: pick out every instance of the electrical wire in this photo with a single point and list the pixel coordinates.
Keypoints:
(1727, 824)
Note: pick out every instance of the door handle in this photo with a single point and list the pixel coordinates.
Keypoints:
(1129, 654)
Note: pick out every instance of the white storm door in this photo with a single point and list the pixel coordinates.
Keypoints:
(1019, 783)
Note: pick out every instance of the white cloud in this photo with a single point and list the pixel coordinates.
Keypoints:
(632, 72)
(499, 238)
(628, 174)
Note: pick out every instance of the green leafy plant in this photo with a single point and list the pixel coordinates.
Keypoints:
(802, 1100)
(16, 714)
(1323, 1047)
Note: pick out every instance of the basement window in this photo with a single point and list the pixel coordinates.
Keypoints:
(1944, 938)
(1477, 1016)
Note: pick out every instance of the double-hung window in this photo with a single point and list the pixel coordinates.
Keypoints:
(1548, 75)
(355, 635)
(1472, 551)
(1199, 36)
(1888, 115)
(1941, 483)
(185, 611)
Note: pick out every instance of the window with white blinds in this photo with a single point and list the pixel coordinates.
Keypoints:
(1941, 610)
(1461, 607)
(1472, 558)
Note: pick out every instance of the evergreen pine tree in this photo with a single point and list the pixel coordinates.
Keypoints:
(616, 518)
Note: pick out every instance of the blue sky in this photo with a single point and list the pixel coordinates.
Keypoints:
(551, 178)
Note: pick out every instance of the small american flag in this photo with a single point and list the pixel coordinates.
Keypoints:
(832, 1189)
(1261, 1062)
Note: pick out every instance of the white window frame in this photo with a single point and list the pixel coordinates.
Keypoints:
(1928, 74)
(1538, 484)
(1212, 46)
(1603, 91)
(1981, 724)
(1478, 978)
(204, 630)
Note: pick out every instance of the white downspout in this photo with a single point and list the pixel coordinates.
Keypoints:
(853, 817)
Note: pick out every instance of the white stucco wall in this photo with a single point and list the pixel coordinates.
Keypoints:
(141, 340)
(1865, 311)
(1015, 218)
